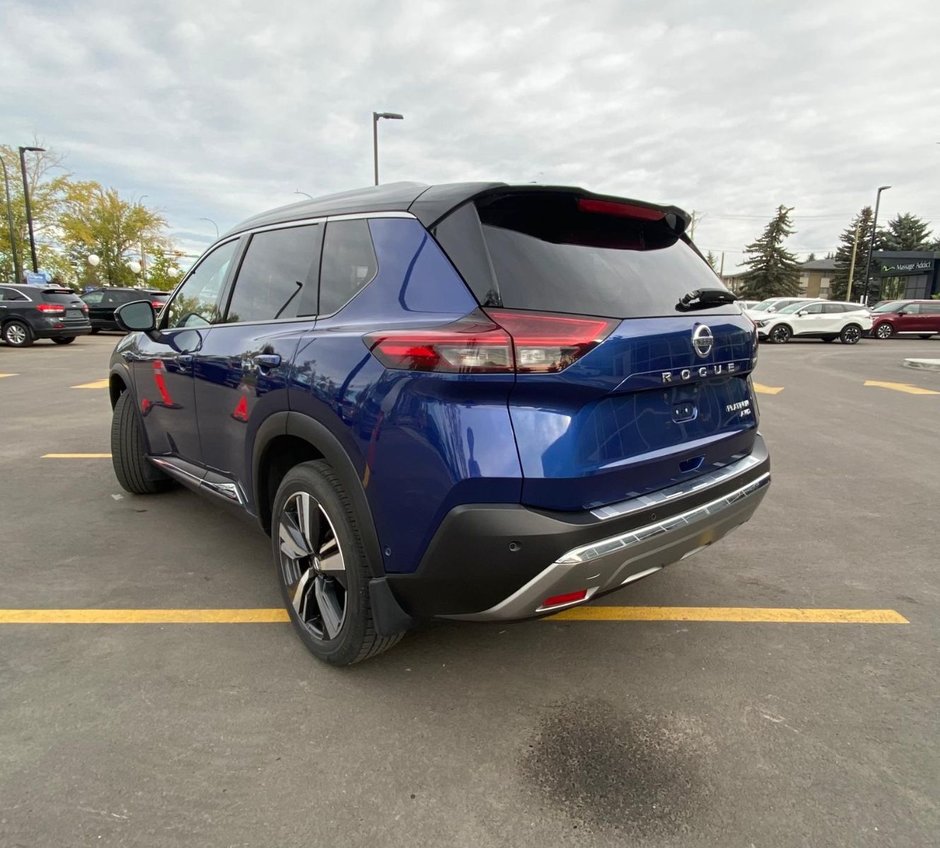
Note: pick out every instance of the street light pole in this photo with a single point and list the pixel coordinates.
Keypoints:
(394, 116)
(17, 270)
(871, 243)
(29, 211)
(214, 224)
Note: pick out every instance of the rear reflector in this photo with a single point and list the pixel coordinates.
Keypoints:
(561, 600)
(499, 341)
(620, 210)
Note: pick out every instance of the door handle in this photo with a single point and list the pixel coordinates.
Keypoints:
(267, 360)
(185, 360)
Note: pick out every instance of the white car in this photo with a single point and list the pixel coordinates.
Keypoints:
(818, 319)
(772, 305)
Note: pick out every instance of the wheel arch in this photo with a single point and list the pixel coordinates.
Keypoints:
(287, 439)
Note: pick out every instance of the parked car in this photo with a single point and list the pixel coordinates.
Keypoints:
(747, 304)
(28, 313)
(820, 319)
(102, 303)
(470, 401)
(921, 317)
(772, 305)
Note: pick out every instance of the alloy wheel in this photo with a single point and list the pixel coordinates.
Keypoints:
(780, 334)
(16, 334)
(851, 334)
(312, 566)
(884, 331)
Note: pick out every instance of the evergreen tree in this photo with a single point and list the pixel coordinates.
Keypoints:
(772, 269)
(905, 232)
(840, 281)
(712, 261)
(811, 257)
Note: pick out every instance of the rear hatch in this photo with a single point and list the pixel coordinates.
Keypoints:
(639, 407)
(65, 306)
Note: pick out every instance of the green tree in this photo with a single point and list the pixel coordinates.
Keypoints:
(163, 271)
(811, 257)
(712, 261)
(905, 232)
(772, 269)
(840, 280)
(96, 220)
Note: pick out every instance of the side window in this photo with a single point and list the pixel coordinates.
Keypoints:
(833, 308)
(349, 263)
(813, 309)
(277, 276)
(913, 309)
(10, 294)
(196, 303)
(93, 298)
(930, 308)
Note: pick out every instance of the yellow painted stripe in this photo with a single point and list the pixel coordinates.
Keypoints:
(141, 616)
(761, 389)
(96, 384)
(76, 456)
(901, 387)
(7, 375)
(734, 614)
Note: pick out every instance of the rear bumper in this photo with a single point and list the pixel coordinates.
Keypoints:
(501, 562)
(62, 332)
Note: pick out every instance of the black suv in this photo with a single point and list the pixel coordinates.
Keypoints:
(28, 313)
(102, 303)
(473, 401)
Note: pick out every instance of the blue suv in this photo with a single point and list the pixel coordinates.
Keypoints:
(472, 401)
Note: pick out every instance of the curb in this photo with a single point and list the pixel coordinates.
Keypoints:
(925, 364)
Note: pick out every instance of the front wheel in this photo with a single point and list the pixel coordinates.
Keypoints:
(850, 334)
(18, 334)
(322, 566)
(780, 334)
(884, 331)
(129, 453)
(64, 339)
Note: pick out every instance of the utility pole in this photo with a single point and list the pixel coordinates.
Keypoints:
(848, 291)
(871, 244)
(721, 272)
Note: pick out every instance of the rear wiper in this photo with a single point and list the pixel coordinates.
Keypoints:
(704, 299)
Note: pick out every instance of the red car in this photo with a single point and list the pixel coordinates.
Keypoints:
(906, 316)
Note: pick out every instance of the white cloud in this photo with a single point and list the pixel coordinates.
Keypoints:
(223, 109)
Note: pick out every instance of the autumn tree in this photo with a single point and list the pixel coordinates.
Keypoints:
(772, 269)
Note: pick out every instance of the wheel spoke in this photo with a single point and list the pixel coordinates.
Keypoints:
(330, 555)
(301, 599)
(293, 543)
(302, 502)
(331, 610)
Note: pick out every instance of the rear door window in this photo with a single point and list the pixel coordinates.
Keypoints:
(349, 263)
(553, 252)
(278, 276)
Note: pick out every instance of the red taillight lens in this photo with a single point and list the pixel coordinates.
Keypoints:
(51, 308)
(499, 341)
(547, 343)
(157, 305)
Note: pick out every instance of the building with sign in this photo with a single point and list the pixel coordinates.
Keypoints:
(905, 275)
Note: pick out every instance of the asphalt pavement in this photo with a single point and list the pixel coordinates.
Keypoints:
(552, 732)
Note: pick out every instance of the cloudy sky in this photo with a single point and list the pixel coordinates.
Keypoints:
(222, 109)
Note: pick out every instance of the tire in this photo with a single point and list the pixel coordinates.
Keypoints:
(780, 334)
(18, 334)
(128, 452)
(64, 339)
(326, 593)
(95, 330)
(828, 339)
(925, 335)
(883, 331)
(851, 334)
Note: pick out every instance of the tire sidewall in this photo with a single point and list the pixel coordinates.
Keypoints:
(856, 337)
(309, 477)
(883, 326)
(26, 329)
(781, 334)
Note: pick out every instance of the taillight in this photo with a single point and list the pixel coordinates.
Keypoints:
(157, 305)
(495, 342)
(620, 209)
(51, 308)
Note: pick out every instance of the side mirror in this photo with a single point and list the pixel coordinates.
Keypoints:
(801, 313)
(136, 316)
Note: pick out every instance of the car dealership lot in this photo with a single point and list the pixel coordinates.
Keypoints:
(605, 732)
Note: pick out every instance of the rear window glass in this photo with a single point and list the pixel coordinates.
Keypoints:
(541, 251)
(59, 296)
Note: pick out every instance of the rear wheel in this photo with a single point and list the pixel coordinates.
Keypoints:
(64, 339)
(780, 334)
(129, 453)
(17, 334)
(322, 567)
(884, 331)
(850, 334)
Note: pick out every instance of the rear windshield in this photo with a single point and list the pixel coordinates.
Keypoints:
(59, 296)
(543, 251)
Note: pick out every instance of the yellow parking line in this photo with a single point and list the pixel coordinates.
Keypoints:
(256, 616)
(736, 614)
(141, 616)
(76, 456)
(96, 384)
(907, 388)
(761, 389)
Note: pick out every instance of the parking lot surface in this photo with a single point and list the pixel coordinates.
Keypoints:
(783, 731)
